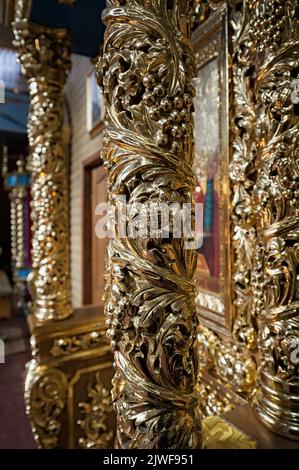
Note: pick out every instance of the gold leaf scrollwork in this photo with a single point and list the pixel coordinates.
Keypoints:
(146, 73)
(232, 361)
(235, 367)
(45, 397)
(44, 56)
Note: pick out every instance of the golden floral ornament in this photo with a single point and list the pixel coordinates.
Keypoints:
(146, 74)
(276, 197)
(44, 55)
(72, 344)
(45, 397)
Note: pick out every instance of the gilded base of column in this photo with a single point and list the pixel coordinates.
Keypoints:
(278, 406)
(68, 382)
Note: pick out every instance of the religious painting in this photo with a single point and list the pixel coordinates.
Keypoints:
(95, 104)
(206, 167)
(211, 172)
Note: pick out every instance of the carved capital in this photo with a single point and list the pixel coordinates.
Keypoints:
(43, 52)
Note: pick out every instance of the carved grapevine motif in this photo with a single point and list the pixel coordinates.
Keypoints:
(44, 55)
(277, 187)
(147, 67)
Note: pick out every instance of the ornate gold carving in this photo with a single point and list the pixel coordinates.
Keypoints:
(241, 170)
(44, 55)
(231, 360)
(55, 385)
(276, 194)
(70, 3)
(22, 9)
(264, 215)
(147, 68)
(13, 222)
(242, 174)
(213, 400)
(211, 42)
(236, 368)
(71, 344)
(97, 434)
(45, 398)
(17, 183)
(263, 174)
(17, 225)
(18, 209)
(17, 218)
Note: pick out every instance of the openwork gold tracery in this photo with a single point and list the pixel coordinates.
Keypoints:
(147, 69)
(263, 51)
(262, 240)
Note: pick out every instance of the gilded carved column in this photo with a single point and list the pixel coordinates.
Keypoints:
(44, 55)
(275, 40)
(146, 74)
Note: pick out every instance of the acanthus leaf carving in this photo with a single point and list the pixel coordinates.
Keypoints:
(146, 73)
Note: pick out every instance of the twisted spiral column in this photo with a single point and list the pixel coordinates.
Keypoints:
(146, 72)
(44, 55)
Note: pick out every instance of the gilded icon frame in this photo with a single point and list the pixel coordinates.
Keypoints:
(210, 43)
(228, 347)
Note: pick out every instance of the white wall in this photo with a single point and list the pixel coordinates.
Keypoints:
(83, 146)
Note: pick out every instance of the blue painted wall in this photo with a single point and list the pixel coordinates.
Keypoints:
(83, 20)
(14, 112)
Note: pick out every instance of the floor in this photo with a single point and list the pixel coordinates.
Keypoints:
(15, 430)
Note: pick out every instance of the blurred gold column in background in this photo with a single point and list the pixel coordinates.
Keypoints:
(44, 55)
(146, 74)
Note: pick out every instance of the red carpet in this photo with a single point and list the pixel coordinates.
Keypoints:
(15, 430)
